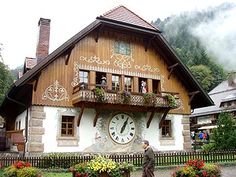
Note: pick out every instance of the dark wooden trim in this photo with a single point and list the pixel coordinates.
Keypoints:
(163, 117)
(148, 44)
(36, 81)
(192, 94)
(98, 31)
(171, 69)
(150, 118)
(68, 54)
(96, 118)
(80, 115)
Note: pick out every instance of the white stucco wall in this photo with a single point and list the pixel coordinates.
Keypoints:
(85, 131)
(153, 134)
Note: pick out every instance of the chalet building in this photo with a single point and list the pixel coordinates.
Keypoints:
(106, 89)
(224, 98)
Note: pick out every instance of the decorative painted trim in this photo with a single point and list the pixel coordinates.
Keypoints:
(75, 81)
(94, 59)
(55, 92)
(147, 68)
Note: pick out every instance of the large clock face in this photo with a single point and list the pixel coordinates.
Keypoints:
(122, 128)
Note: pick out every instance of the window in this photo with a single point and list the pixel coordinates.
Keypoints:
(83, 78)
(115, 82)
(155, 86)
(67, 126)
(166, 128)
(122, 47)
(128, 84)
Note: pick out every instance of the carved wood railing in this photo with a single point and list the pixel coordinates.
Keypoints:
(136, 99)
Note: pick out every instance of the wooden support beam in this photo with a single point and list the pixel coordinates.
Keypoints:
(68, 54)
(171, 69)
(150, 118)
(36, 81)
(96, 118)
(148, 44)
(192, 94)
(163, 117)
(80, 115)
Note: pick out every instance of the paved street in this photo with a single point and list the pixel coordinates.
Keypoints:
(227, 171)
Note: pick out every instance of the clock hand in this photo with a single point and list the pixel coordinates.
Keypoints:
(124, 125)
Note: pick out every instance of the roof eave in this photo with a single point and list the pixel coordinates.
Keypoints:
(128, 25)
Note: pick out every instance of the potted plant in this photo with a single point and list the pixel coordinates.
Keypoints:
(100, 94)
(125, 96)
(126, 168)
(21, 169)
(149, 98)
(79, 170)
(171, 100)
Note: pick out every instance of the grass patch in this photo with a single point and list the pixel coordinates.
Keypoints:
(57, 174)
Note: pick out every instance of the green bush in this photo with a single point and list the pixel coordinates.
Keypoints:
(208, 147)
(28, 172)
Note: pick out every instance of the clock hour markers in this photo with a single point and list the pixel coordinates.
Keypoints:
(122, 128)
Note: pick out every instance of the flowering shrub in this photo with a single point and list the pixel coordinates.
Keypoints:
(197, 168)
(21, 169)
(101, 165)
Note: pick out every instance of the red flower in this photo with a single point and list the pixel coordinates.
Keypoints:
(27, 164)
(204, 173)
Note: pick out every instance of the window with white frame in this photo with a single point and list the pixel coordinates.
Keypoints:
(128, 84)
(115, 82)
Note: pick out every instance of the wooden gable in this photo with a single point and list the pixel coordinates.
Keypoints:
(93, 48)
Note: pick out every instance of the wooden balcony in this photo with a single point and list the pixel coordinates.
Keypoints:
(115, 100)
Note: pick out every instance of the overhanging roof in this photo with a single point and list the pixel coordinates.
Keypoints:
(200, 100)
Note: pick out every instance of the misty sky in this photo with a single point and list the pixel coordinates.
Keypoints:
(19, 30)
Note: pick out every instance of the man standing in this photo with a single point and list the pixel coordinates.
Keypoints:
(148, 160)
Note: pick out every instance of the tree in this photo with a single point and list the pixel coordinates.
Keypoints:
(224, 136)
(203, 75)
(6, 79)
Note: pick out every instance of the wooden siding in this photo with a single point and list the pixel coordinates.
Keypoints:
(88, 53)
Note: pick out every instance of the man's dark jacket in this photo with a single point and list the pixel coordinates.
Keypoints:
(148, 160)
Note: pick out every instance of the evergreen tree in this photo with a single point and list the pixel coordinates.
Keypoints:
(224, 135)
(5, 79)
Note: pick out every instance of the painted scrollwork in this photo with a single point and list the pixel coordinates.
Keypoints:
(55, 92)
(75, 81)
(147, 68)
(95, 59)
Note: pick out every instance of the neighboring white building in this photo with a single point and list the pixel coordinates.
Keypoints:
(56, 104)
(224, 98)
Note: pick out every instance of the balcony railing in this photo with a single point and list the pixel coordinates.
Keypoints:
(111, 97)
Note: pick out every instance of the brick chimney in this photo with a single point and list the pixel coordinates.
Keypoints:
(42, 49)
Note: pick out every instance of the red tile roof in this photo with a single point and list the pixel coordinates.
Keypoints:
(122, 14)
